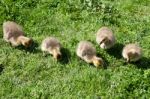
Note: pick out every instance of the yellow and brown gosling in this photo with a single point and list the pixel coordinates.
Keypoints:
(132, 52)
(13, 33)
(105, 38)
(87, 52)
(52, 46)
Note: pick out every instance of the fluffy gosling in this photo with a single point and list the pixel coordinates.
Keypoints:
(52, 46)
(132, 52)
(87, 52)
(105, 38)
(13, 33)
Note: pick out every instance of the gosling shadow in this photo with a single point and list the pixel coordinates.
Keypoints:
(143, 63)
(65, 56)
(116, 50)
(32, 49)
(1, 68)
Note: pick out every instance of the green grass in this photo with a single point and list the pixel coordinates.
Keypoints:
(28, 74)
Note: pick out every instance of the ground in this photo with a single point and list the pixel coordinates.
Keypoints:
(29, 74)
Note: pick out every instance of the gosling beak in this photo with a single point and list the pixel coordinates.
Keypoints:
(56, 54)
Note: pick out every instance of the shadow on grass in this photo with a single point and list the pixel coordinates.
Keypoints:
(66, 55)
(1, 68)
(116, 50)
(143, 63)
(31, 49)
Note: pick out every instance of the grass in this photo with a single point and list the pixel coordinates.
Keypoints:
(28, 74)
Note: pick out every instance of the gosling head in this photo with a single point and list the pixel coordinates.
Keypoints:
(98, 62)
(25, 41)
(57, 54)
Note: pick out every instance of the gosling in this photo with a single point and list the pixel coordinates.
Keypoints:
(105, 38)
(132, 52)
(13, 33)
(87, 52)
(52, 46)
